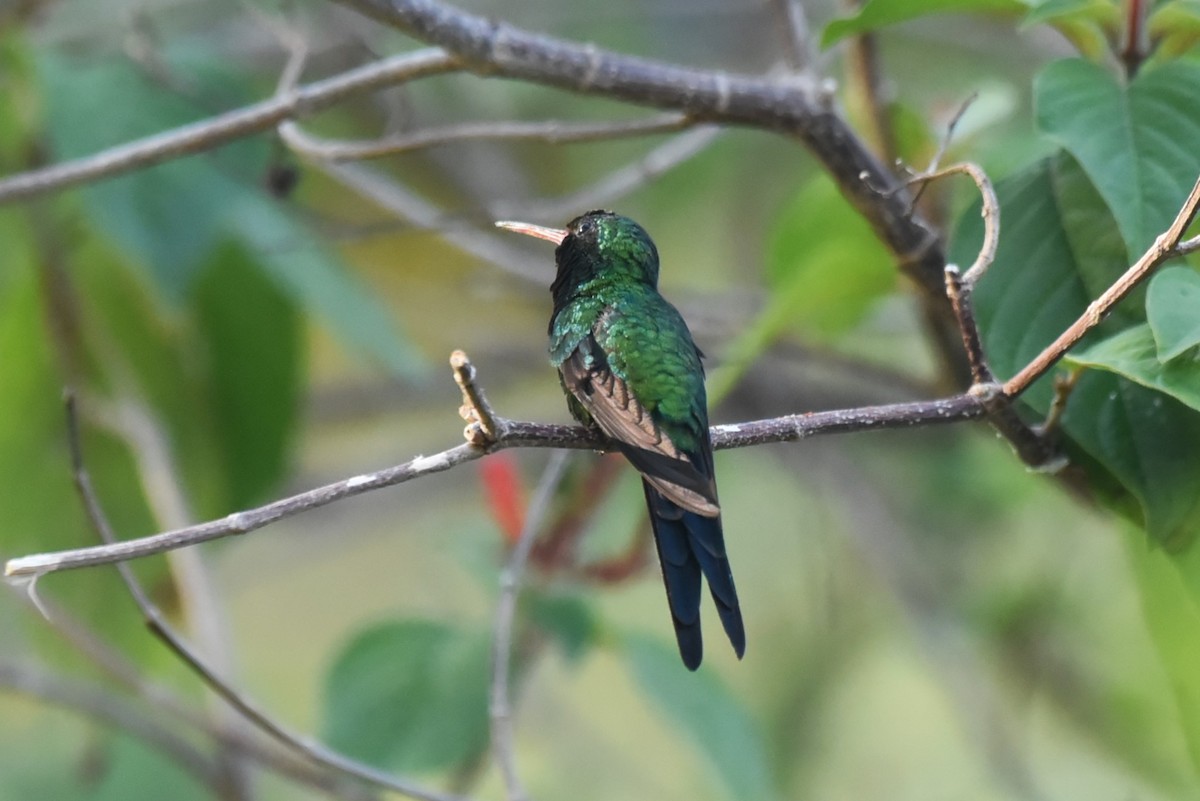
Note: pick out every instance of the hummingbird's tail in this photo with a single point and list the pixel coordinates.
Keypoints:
(689, 545)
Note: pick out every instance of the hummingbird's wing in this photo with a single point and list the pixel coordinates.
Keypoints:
(619, 414)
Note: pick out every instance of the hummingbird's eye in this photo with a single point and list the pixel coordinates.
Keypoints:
(585, 227)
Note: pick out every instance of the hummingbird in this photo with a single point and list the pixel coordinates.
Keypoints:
(628, 365)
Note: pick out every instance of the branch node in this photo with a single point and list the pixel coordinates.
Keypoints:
(483, 426)
(987, 392)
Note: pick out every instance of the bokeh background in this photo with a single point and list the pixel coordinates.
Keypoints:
(926, 618)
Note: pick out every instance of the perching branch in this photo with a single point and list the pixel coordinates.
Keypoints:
(510, 434)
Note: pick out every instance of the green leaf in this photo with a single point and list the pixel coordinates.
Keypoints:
(704, 710)
(1131, 141)
(1173, 310)
(1135, 444)
(568, 619)
(410, 696)
(1133, 354)
(1171, 608)
(173, 217)
(1173, 16)
(1089, 25)
(252, 336)
(41, 510)
(1051, 11)
(825, 270)
(876, 14)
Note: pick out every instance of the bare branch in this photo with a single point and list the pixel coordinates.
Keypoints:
(1165, 247)
(513, 434)
(408, 206)
(506, 607)
(555, 132)
(618, 183)
(210, 133)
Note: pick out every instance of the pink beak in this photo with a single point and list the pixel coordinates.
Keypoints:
(555, 235)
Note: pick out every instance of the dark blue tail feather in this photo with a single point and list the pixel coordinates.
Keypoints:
(690, 545)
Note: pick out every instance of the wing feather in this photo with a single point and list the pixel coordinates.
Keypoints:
(620, 415)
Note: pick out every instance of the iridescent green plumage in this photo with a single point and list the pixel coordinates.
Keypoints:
(630, 367)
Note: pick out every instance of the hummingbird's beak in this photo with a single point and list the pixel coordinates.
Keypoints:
(555, 235)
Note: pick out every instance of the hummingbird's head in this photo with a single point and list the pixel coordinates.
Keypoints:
(603, 244)
(597, 245)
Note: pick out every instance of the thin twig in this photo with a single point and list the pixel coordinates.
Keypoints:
(482, 426)
(948, 137)
(132, 418)
(158, 624)
(796, 32)
(990, 211)
(99, 703)
(1164, 248)
(1064, 385)
(514, 434)
(410, 207)
(209, 133)
(555, 132)
(865, 69)
(964, 311)
(506, 606)
(618, 183)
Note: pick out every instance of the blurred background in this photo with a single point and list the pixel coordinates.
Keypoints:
(926, 618)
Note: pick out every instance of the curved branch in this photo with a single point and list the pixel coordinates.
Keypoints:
(792, 105)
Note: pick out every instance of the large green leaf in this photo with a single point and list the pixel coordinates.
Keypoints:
(1134, 142)
(173, 217)
(704, 711)
(1134, 355)
(1173, 311)
(40, 510)
(410, 696)
(1171, 608)
(877, 14)
(568, 619)
(252, 336)
(1135, 443)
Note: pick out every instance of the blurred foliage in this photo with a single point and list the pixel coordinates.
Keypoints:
(926, 618)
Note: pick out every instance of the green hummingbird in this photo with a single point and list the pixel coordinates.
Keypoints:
(628, 364)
